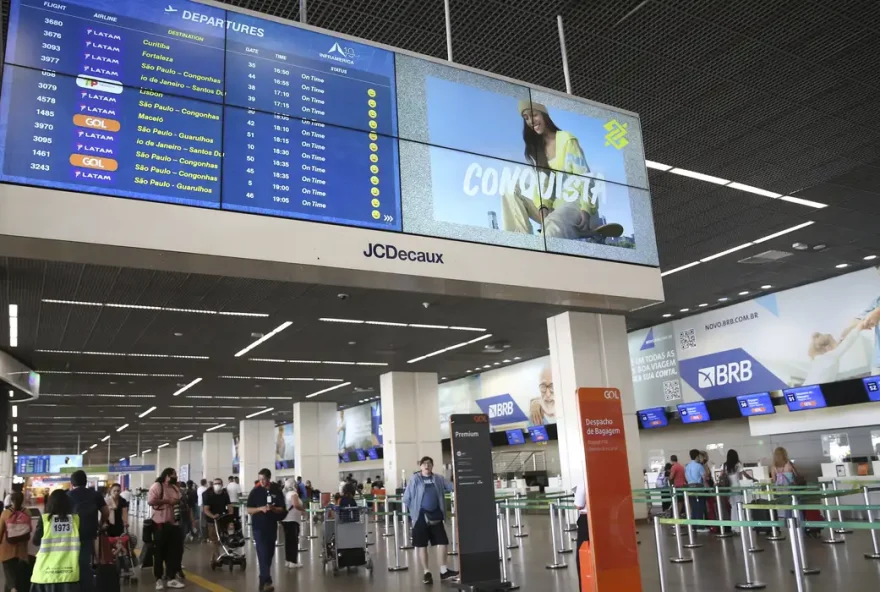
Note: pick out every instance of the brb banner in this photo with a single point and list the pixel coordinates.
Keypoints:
(814, 334)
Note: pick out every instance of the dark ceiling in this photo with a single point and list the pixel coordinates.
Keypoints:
(780, 95)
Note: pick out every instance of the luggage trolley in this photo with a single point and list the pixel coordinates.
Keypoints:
(345, 540)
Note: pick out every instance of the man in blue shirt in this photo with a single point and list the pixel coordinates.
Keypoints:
(426, 502)
(266, 507)
(88, 504)
(695, 473)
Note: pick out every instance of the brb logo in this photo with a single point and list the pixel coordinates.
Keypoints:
(725, 374)
(501, 409)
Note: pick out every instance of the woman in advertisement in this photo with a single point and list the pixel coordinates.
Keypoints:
(562, 204)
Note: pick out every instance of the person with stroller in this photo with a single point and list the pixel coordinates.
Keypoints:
(265, 505)
(291, 522)
(216, 504)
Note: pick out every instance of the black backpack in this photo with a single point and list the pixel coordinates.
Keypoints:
(87, 510)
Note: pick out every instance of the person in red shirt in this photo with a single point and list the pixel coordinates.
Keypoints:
(676, 473)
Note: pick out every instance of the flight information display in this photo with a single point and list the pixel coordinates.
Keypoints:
(757, 404)
(804, 397)
(515, 437)
(538, 434)
(872, 386)
(194, 105)
(695, 412)
(653, 418)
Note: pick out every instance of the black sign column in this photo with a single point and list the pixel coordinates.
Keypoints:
(475, 516)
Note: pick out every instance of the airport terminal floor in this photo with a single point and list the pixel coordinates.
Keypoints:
(717, 566)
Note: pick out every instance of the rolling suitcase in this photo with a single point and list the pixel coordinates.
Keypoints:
(106, 573)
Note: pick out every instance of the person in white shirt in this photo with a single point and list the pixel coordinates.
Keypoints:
(126, 495)
(583, 525)
(291, 524)
(203, 487)
(234, 491)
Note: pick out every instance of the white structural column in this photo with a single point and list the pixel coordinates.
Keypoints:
(166, 457)
(189, 452)
(217, 455)
(590, 350)
(144, 479)
(315, 454)
(410, 424)
(256, 448)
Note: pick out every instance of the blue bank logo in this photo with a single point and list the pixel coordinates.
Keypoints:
(728, 374)
(649, 340)
(380, 251)
(501, 409)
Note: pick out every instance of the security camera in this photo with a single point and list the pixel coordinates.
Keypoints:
(342, 296)
(426, 304)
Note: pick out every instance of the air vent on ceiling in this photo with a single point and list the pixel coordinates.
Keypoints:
(770, 256)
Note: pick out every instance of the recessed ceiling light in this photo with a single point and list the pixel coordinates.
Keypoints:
(704, 305)
(799, 246)
(841, 265)
(265, 337)
(725, 299)
(444, 378)
(178, 334)
(766, 287)
(468, 371)
(684, 310)
(667, 315)
(744, 293)
(13, 325)
(517, 358)
(870, 257)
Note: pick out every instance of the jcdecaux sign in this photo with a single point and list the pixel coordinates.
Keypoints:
(386, 251)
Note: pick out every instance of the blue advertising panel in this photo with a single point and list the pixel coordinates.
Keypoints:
(373, 454)
(515, 437)
(872, 386)
(653, 418)
(538, 434)
(695, 412)
(755, 404)
(804, 397)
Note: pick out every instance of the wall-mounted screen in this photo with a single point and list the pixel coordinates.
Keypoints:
(756, 404)
(538, 434)
(804, 397)
(44, 464)
(361, 454)
(515, 437)
(872, 387)
(695, 412)
(373, 454)
(653, 418)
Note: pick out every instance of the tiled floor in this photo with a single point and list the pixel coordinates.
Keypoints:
(717, 566)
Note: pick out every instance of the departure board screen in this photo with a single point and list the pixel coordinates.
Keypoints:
(184, 103)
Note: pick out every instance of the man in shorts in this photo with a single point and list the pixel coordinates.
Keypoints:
(425, 499)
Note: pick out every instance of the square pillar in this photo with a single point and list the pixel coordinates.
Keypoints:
(217, 455)
(410, 424)
(315, 457)
(256, 448)
(590, 350)
(166, 457)
(144, 480)
(189, 452)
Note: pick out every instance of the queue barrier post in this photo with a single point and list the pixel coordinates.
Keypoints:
(564, 541)
(661, 566)
(518, 516)
(396, 566)
(753, 548)
(312, 516)
(511, 544)
(558, 562)
(722, 534)
(875, 550)
(453, 547)
(404, 516)
(680, 558)
(832, 537)
(775, 533)
(389, 531)
(839, 513)
(799, 535)
(796, 555)
(690, 527)
(749, 584)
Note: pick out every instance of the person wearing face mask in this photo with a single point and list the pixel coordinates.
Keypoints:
(164, 499)
(266, 507)
(216, 504)
(89, 506)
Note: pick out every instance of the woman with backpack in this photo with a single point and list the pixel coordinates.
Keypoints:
(15, 533)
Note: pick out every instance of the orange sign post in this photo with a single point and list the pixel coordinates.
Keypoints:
(614, 552)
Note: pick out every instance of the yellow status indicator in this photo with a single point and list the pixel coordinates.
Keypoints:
(372, 113)
(374, 180)
(373, 147)
(371, 92)
(376, 214)
(374, 169)
(373, 124)
(375, 191)
(371, 103)
(374, 158)
(375, 203)
(374, 136)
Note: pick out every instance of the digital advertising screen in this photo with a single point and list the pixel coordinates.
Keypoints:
(515, 437)
(756, 404)
(343, 457)
(693, 412)
(361, 454)
(653, 418)
(538, 434)
(373, 454)
(804, 397)
(872, 387)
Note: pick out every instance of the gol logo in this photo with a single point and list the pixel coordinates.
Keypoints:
(481, 419)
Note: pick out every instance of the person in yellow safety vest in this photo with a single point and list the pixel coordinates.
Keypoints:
(562, 199)
(57, 536)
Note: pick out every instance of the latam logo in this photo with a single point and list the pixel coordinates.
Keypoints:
(380, 251)
(727, 374)
(502, 410)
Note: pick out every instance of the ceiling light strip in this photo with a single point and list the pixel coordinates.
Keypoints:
(755, 190)
(121, 354)
(13, 325)
(783, 232)
(327, 390)
(156, 308)
(396, 324)
(261, 412)
(147, 412)
(265, 337)
(446, 349)
(803, 202)
(187, 387)
(216, 427)
(136, 374)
